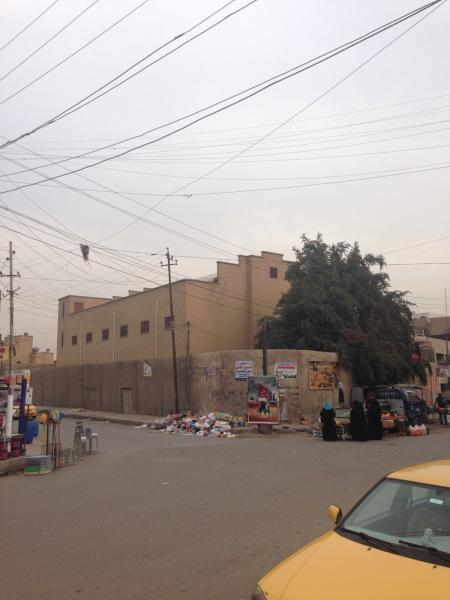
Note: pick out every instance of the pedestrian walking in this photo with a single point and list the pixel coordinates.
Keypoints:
(441, 409)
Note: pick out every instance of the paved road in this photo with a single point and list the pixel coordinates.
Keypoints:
(167, 517)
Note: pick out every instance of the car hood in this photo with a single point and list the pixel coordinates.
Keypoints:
(339, 568)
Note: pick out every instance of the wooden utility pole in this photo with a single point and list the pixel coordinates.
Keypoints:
(171, 262)
(11, 293)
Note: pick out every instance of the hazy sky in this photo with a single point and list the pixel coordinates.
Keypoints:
(392, 115)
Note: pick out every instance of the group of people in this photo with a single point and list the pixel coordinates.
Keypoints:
(363, 426)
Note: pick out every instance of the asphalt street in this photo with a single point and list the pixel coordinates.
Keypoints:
(167, 517)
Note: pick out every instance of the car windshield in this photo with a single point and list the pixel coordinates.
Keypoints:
(403, 514)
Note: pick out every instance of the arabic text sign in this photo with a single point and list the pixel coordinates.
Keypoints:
(243, 369)
(288, 370)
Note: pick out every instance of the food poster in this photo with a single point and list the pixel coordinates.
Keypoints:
(323, 375)
(263, 404)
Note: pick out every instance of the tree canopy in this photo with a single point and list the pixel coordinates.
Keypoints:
(341, 301)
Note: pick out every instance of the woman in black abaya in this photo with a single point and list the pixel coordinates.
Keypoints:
(358, 423)
(327, 416)
(374, 421)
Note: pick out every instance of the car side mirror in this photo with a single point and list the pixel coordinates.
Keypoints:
(335, 513)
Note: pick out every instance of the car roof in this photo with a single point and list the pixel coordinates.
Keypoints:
(434, 473)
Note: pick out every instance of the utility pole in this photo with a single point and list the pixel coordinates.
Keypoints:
(446, 322)
(171, 262)
(188, 364)
(264, 348)
(11, 293)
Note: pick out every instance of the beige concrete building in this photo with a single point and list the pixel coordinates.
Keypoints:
(25, 354)
(436, 327)
(211, 314)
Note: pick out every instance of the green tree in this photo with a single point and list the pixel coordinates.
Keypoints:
(341, 301)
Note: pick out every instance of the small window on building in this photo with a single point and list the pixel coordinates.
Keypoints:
(123, 331)
(62, 339)
(273, 273)
(89, 337)
(74, 340)
(77, 306)
(145, 326)
(168, 323)
(105, 334)
(63, 309)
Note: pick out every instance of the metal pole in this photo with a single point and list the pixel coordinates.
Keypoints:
(172, 322)
(81, 340)
(188, 364)
(11, 313)
(264, 349)
(114, 337)
(156, 327)
(446, 321)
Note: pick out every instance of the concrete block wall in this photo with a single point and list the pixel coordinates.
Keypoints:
(122, 386)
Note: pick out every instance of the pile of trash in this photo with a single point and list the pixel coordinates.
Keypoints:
(215, 424)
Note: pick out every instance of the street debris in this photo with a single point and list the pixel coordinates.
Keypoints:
(215, 424)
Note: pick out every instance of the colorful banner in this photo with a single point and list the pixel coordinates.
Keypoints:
(243, 369)
(263, 405)
(323, 375)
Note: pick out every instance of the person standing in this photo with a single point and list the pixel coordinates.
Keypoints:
(358, 423)
(441, 407)
(327, 416)
(374, 422)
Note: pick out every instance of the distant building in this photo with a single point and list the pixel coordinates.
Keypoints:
(220, 312)
(24, 353)
(436, 327)
(435, 352)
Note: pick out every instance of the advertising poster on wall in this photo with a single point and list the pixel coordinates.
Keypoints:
(147, 370)
(209, 372)
(263, 405)
(287, 370)
(443, 372)
(323, 375)
(243, 369)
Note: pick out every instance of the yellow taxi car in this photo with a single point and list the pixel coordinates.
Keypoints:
(393, 544)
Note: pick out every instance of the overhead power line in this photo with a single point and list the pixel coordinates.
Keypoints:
(29, 25)
(309, 64)
(95, 95)
(55, 35)
(134, 216)
(271, 81)
(178, 291)
(72, 54)
(168, 150)
(329, 180)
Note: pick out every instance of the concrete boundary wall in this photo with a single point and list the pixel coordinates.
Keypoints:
(206, 383)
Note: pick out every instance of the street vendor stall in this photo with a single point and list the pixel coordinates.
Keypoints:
(401, 406)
